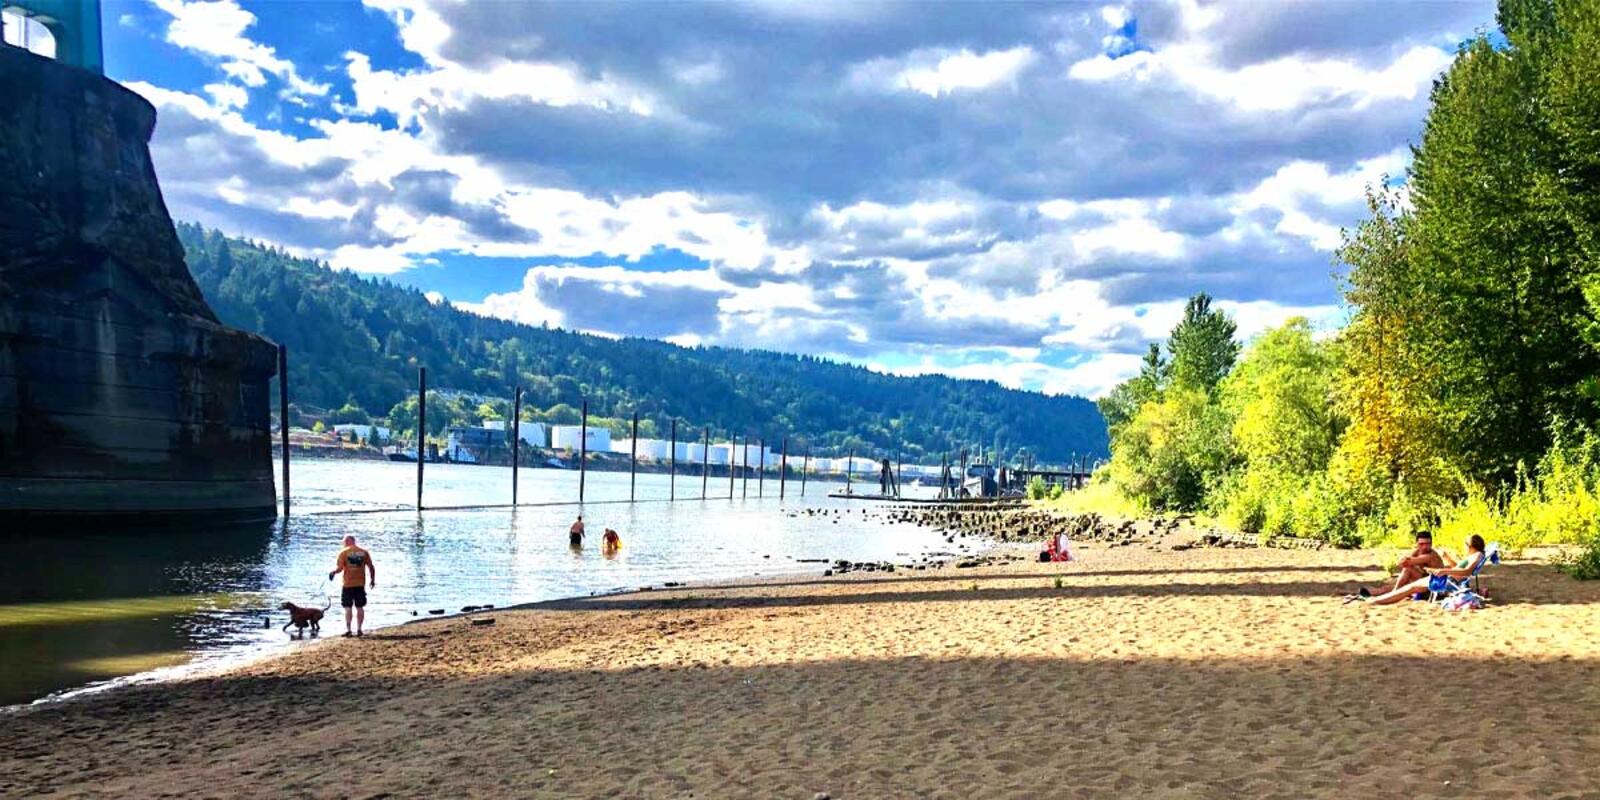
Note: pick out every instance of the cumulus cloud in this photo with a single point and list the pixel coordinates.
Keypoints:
(936, 72)
(1025, 194)
(216, 28)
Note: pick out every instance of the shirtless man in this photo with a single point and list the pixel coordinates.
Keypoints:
(356, 564)
(1422, 558)
(575, 533)
(1415, 565)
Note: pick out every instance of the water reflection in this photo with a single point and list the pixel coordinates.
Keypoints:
(80, 606)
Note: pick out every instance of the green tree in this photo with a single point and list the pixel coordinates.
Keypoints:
(1201, 347)
(1496, 256)
(1280, 397)
(1124, 400)
(1170, 453)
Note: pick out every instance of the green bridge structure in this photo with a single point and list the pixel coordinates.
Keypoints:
(65, 30)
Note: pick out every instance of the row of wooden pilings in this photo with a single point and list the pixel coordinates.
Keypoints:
(744, 465)
(583, 456)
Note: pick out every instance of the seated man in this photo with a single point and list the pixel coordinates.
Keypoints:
(1433, 580)
(1417, 563)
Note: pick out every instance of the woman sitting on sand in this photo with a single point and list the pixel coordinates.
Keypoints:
(1436, 577)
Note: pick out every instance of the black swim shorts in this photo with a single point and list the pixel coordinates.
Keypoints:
(353, 596)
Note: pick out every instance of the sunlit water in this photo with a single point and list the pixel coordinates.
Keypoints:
(79, 608)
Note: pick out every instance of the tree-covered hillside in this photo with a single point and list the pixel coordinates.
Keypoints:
(356, 342)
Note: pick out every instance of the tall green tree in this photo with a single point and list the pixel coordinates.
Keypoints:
(1390, 368)
(1496, 255)
(1202, 348)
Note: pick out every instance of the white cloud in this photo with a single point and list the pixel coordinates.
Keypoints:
(217, 28)
(1299, 190)
(936, 72)
(227, 95)
(409, 95)
(1194, 62)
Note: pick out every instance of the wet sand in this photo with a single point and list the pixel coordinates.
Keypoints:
(1202, 673)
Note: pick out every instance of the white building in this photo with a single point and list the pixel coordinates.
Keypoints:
(720, 453)
(571, 437)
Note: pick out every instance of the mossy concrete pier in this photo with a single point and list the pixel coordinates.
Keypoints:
(121, 393)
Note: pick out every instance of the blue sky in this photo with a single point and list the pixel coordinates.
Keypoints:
(1025, 193)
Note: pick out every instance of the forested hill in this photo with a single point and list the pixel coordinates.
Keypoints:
(356, 342)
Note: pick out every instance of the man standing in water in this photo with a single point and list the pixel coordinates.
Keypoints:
(575, 533)
(356, 564)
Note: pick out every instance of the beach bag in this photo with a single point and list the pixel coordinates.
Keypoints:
(1463, 601)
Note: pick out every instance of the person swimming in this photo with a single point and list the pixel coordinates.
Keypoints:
(611, 541)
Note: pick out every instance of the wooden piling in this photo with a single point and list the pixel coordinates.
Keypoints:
(633, 459)
(744, 470)
(849, 464)
(805, 466)
(422, 428)
(672, 461)
(783, 466)
(516, 439)
(761, 471)
(583, 449)
(283, 419)
(705, 462)
(733, 447)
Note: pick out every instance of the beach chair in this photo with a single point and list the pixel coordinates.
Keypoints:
(1448, 587)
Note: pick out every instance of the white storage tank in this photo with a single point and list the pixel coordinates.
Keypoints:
(571, 437)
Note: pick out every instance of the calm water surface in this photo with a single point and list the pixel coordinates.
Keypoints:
(79, 608)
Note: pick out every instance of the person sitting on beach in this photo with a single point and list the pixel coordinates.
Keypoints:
(612, 541)
(575, 533)
(1435, 579)
(1421, 559)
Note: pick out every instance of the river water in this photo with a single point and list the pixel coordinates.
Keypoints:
(83, 608)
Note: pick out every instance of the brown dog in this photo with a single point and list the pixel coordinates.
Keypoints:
(301, 616)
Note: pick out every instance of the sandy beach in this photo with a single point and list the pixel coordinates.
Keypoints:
(1203, 673)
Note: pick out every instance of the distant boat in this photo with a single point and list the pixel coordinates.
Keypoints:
(407, 456)
(555, 462)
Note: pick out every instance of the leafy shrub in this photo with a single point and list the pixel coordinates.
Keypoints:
(1166, 455)
(1583, 563)
(1037, 489)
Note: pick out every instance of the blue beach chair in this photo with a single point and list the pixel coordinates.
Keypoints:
(1440, 588)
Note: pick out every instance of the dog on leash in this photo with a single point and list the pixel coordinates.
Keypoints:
(302, 616)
